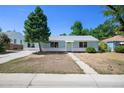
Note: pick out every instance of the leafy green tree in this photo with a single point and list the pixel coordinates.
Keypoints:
(77, 29)
(36, 28)
(85, 32)
(105, 30)
(116, 14)
(103, 47)
(4, 40)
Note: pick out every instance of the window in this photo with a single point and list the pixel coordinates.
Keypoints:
(82, 44)
(85, 44)
(28, 45)
(33, 46)
(14, 41)
(20, 41)
(54, 44)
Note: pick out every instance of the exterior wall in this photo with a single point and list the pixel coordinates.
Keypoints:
(93, 44)
(15, 35)
(63, 46)
(14, 47)
(111, 45)
(89, 44)
(46, 47)
(76, 47)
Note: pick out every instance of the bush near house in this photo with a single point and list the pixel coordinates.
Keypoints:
(4, 40)
(91, 50)
(119, 49)
(2, 48)
(103, 47)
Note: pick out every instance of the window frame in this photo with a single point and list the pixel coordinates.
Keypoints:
(21, 42)
(54, 44)
(82, 44)
(15, 41)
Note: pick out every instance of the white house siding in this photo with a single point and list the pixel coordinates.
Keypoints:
(15, 36)
(89, 44)
(76, 47)
(46, 46)
(25, 47)
(63, 46)
(93, 44)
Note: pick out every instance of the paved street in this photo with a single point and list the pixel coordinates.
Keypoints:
(7, 57)
(60, 80)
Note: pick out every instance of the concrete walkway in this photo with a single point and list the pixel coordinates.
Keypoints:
(7, 57)
(60, 80)
(86, 68)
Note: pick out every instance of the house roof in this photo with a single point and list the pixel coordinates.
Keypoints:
(10, 33)
(115, 38)
(72, 38)
(14, 35)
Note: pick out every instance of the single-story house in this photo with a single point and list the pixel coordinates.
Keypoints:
(65, 43)
(114, 41)
(16, 40)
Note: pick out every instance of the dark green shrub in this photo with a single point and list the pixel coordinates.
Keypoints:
(103, 47)
(2, 49)
(91, 50)
(119, 49)
(4, 40)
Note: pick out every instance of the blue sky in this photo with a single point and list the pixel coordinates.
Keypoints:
(60, 18)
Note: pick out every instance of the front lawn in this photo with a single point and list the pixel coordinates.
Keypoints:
(43, 63)
(104, 63)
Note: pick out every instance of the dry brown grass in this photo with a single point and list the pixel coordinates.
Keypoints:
(104, 63)
(44, 63)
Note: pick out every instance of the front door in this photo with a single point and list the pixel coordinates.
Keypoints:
(69, 46)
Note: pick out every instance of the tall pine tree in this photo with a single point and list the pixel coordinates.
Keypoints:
(36, 28)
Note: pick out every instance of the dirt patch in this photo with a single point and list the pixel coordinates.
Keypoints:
(104, 63)
(44, 63)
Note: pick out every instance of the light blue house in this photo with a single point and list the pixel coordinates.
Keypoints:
(65, 43)
(114, 41)
(56, 43)
(15, 37)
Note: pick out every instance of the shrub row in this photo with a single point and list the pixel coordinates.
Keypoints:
(103, 48)
(90, 50)
(119, 49)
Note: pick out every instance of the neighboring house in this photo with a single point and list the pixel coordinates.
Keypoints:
(65, 43)
(114, 41)
(16, 40)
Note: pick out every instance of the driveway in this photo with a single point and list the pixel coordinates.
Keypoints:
(7, 57)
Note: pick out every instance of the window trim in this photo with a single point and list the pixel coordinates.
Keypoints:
(21, 42)
(82, 44)
(15, 41)
(30, 45)
(54, 44)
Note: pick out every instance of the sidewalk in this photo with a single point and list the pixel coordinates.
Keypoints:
(7, 57)
(86, 68)
(60, 80)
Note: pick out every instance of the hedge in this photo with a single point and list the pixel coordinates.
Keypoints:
(119, 49)
(90, 50)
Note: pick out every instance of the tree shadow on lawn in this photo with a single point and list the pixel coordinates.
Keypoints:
(49, 53)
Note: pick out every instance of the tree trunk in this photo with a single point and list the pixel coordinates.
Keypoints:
(40, 47)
